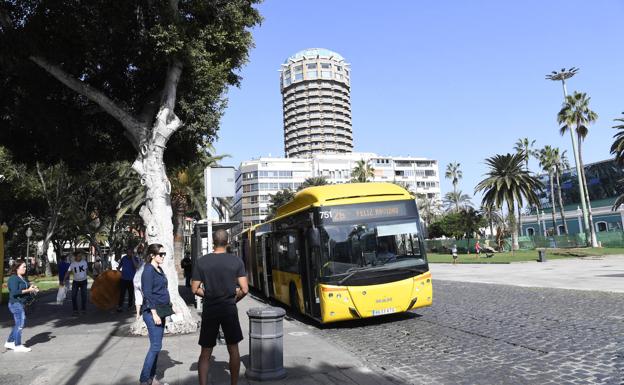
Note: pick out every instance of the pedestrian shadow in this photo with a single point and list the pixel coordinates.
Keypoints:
(40, 338)
(219, 370)
(165, 362)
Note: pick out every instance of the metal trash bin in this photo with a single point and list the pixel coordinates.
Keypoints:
(541, 255)
(266, 343)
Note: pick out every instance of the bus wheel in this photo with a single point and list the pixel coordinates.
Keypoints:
(294, 299)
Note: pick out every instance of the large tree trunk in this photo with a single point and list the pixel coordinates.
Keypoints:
(520, 217)
(157, 215)
(552, 202)
(561, 209)
(592, 230)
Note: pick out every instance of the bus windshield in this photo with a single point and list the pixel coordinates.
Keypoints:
(351, 247)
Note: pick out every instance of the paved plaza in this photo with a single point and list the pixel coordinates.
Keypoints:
(480, 332)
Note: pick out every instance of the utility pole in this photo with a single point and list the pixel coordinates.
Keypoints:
(562, 76)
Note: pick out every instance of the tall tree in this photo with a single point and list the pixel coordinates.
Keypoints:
(428, 208)
(456, 201)
(454, 173)
(576, 115)
(617, 150)
(547, 162)
(128, 61)
(524, 147)
(506, 183)
(491, 216)
(277, 200)
(362, 172)
(560, 162)
(313, 181)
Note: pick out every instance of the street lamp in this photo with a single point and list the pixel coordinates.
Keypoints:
(562, 76)
(29, 234)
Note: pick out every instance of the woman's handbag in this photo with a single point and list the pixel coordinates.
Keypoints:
(164, 311)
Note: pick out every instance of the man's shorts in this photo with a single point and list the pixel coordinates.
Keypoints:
(210, 329)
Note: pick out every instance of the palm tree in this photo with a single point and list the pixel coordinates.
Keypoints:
(617, 149)
(560, 162)
(454, 173)
(507, 183)
(362, 172)
(492, 216)
(547, 163)
(278, 199)
(576, 114)
(524, 146)
(313, 181)
(428, 208)
(455, 201)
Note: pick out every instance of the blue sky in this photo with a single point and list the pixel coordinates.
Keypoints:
(455, 81)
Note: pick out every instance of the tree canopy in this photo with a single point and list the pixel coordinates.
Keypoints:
(124, 50)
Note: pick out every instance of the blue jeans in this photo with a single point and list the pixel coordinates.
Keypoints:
(20, 318)
(82, 286)
(155, 333)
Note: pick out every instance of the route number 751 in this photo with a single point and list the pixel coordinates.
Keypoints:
(326, 214)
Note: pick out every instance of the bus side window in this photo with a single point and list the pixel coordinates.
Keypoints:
(288, 253)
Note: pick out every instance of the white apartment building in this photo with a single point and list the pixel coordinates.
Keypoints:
(257, 179)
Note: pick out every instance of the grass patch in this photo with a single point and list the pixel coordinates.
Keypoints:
(524, 255)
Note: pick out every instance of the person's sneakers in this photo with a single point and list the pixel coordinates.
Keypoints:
(21, 348)
(156, 382)
(9, 345)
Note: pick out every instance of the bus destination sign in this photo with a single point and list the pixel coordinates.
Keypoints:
(364, 212)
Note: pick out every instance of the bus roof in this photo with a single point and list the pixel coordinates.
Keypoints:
(346, 193)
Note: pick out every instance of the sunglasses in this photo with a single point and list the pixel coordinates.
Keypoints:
(162, 254)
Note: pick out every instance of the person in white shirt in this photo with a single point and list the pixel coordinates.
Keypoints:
(136, 282)
(78, 268)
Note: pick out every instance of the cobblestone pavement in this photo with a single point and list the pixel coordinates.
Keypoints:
(496, 334)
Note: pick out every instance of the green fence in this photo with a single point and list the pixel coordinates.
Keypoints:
(606, 239)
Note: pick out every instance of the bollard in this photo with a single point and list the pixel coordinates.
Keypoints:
(541, 255)
(266, 344)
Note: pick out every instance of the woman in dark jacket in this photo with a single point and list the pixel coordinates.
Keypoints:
(155, 293)
(19, 292)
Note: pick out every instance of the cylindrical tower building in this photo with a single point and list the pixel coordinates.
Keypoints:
(315, 85)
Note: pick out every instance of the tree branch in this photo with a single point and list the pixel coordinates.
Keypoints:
(131, 125)
(171, 85)
(43, 184)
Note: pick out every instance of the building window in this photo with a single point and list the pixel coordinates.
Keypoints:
(325, 65)
(311, 66)
(326, 74)
(601, 226)
(299, 68)
(561, 229)
(298, 76)
(530, 231)
(312, 75)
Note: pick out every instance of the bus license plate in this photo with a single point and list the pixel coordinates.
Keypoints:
(389, 310)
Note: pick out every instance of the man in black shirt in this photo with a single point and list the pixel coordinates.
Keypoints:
(225, 283)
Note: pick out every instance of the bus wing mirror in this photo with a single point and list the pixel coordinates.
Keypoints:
(314, 237)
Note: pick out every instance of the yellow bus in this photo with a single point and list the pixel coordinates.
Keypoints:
(341, 252)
